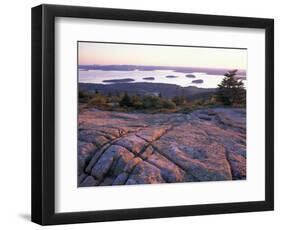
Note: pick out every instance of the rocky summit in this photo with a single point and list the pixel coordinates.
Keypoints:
(116, 148)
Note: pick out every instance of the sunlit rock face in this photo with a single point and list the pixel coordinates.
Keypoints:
(136, 148)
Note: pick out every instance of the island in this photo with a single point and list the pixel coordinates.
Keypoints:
(123, 80)
(149, 78)
(199, 81)
(171, 76)
(190, 76)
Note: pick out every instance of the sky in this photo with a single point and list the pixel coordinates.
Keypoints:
(128, 54)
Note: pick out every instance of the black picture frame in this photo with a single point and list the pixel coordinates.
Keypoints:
(43, 114)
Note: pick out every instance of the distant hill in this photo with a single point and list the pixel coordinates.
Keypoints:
(145, 88)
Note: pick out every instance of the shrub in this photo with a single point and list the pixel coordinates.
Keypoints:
(115, 99)
(84, 96)
(152, 102)
(167, 104)
(136, 102)
(97, 100)
(178, 100)
(138, 105)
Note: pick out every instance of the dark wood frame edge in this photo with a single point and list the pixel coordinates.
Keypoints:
(43, 122)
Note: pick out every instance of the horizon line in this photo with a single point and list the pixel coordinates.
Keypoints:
(160, 66)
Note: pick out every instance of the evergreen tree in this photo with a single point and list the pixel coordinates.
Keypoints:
(126, 100)
(230, 90)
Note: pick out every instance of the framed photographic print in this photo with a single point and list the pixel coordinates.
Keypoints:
(142, 114)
